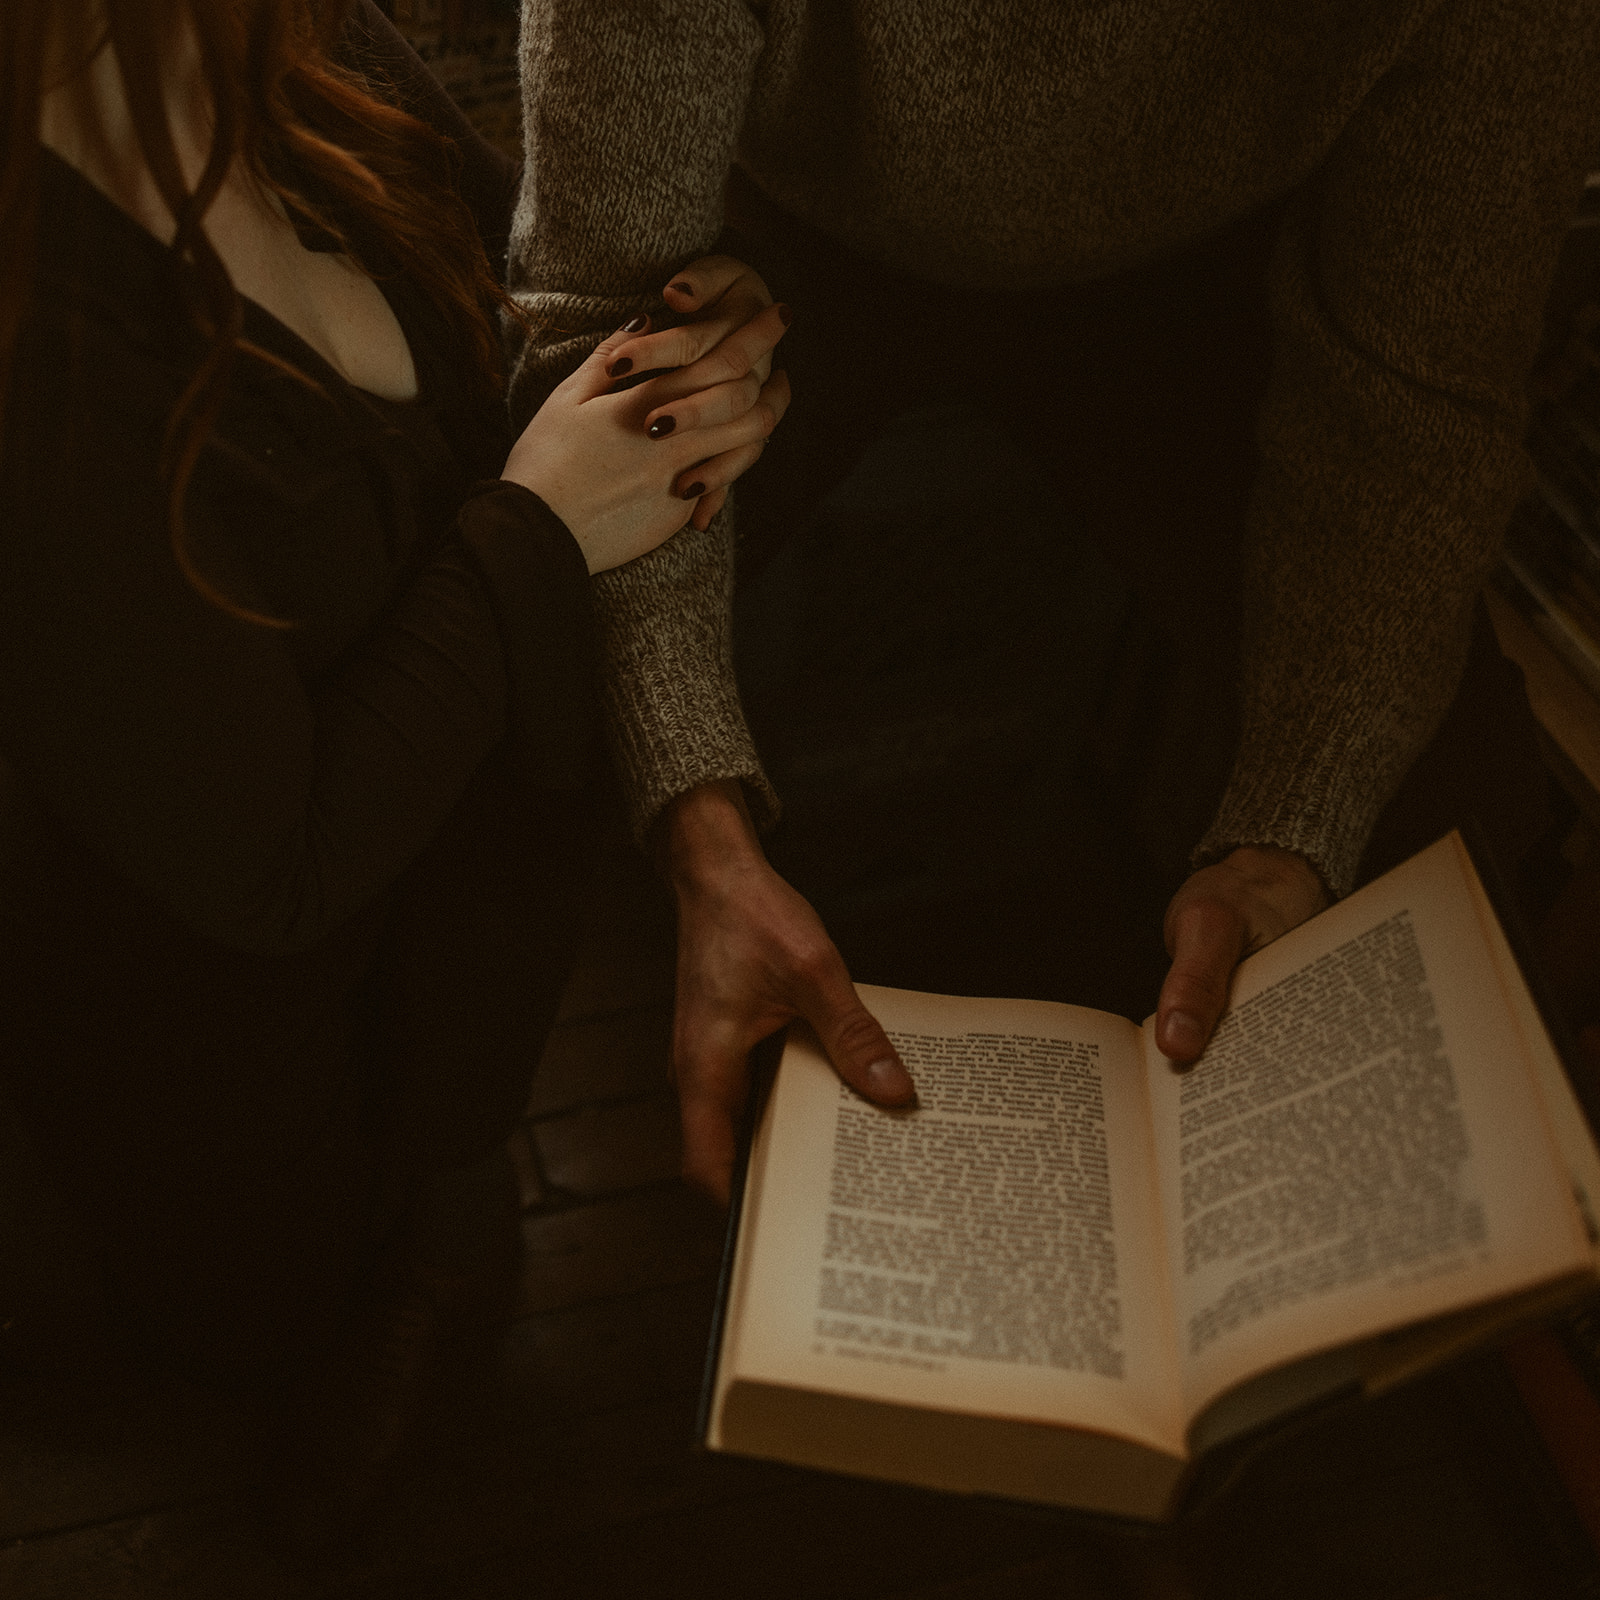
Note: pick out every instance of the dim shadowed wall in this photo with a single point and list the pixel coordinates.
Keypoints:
(471, 45)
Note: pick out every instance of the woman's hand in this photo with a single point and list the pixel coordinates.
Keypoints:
(718, 295)
(619, 467)
(1221, 915)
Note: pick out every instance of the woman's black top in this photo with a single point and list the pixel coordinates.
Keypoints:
(245, 871)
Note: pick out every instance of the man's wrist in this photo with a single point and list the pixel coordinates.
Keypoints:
(1271, 863)
(704, 833)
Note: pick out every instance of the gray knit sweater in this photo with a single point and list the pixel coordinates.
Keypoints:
(1435, 150)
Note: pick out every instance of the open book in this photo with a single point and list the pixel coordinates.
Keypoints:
(1073, 1272)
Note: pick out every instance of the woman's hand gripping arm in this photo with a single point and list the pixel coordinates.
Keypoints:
(626, 468)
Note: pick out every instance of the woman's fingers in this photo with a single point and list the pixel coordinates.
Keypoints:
(733, 448)
(593, 377)
(704, 409)
(701, 354)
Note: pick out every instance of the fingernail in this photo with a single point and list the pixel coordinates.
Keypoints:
(683, 288)
(785, 315)
(887, 1077)
(1186, 1032)
(694, 491)
(619, 367)
(637, 325)
(662, 426)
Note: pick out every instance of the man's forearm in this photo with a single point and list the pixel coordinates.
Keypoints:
(673, 716)
(632, 117)
(704, 833)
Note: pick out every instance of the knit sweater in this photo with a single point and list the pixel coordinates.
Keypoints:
(1431, 150)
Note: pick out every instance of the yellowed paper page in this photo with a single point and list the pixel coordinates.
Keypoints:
(995, 1251)
(1359, 1148)
(1568, 1126)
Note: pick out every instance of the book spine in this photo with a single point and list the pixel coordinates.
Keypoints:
(764, 1060)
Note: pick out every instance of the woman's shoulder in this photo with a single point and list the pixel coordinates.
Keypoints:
(102, 288)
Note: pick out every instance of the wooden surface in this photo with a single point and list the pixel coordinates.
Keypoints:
(1566, 710)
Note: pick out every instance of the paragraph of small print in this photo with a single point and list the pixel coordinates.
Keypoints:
(869, 1344)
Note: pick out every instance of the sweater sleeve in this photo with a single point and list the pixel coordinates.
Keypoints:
(260, 805)
(1408, 288)
(632, 116)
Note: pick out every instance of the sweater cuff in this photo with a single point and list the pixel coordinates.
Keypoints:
(1316, 794)
(1235, 828)
(1322, 753)
(671, 703)
(538, 587)
(558, 334)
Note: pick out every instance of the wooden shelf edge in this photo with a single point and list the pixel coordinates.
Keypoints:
(1568, 713)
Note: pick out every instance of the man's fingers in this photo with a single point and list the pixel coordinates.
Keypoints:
(707, 506)
(670, 349)
(742, 350)
(729, 438)
(1222, 914)
(700, 355)
(711, 1076)
(1206, 938)
(712, 477)
(707, 280)
(855, 1041)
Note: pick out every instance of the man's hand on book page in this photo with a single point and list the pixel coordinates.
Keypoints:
(752, 955)
(1222, 914)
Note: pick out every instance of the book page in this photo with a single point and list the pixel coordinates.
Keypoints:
(1568, 1125)
(996, 1250)
(1360, 1146)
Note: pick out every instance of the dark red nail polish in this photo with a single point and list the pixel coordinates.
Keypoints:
(619, 369)
(785, 314)
(661, 427)
(636, 325)
(683, 288)
(694, 491)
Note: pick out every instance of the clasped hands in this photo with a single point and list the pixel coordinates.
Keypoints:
(625, 464)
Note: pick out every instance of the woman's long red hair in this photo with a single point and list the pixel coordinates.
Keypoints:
(282, 104)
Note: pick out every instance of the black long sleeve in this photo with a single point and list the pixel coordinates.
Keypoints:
(261, 783)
